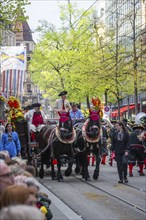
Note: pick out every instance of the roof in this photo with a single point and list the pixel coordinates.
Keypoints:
(27, 33)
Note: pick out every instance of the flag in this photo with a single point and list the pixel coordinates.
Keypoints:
(13, 58)
(13, 66)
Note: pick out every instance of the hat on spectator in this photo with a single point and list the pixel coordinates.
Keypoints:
(62, 93)
(138, 126)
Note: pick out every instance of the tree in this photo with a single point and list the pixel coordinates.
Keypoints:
(67, 59)
(10, 11)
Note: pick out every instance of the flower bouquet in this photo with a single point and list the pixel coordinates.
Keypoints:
(15, 112)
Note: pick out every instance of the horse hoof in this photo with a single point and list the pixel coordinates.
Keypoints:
(68, 172)
(60, 179)
(95, 176)
(41, 174)
(77, 170)
(87, 178)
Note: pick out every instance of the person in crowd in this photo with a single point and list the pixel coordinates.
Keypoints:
(2, 129)
(120, 144)
(37, 120)
(75, 113)
(29, 168)
(21, 212)
(17, 194)
(103, 144)
(125, 121)
(4, 154)
(62, 104)
(6, 176)
(137, 150)
(10, 142)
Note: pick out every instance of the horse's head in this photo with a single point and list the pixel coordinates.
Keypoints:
(93, 127)
(65, 125)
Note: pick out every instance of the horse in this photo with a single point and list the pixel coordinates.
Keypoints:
(56, 141)
(87, 141)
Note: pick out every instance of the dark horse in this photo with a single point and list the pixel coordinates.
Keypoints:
(87, 140)
(55, 141)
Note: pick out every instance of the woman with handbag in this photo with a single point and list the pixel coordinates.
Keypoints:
(120, 145)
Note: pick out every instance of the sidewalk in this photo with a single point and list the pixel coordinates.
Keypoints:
(59, 209)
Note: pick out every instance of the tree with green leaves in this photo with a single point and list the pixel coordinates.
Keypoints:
(10, 11)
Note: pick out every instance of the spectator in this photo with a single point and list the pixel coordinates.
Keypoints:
(31, 170)
(10, 142)
(6, 176)
(21, 212)
(17, 195)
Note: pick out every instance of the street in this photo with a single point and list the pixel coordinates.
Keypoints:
(102, 199)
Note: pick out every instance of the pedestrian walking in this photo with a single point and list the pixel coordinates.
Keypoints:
(120, 145)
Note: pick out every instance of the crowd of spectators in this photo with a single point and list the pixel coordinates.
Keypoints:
(20, 195)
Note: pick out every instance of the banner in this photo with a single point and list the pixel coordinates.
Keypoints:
(13, 67)
(13, 58)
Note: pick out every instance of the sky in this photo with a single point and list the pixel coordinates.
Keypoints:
(48, 10)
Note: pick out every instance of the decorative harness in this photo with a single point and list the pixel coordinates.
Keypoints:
(85, 133)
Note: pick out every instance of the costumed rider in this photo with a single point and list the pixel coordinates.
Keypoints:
(36, 119)
(76, 114)
(136, 150)
(62, 104)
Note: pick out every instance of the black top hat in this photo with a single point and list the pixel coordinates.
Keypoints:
(62, 93)
(34, 105)
(138, 126)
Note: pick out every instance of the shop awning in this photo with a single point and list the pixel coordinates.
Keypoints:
(122, 110)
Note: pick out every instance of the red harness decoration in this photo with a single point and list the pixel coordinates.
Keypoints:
(94, 115)
(37, 119)
(64, 116)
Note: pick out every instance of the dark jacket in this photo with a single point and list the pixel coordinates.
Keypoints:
(120, 146)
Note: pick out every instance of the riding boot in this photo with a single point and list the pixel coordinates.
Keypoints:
(130, 170)
(103, 160)
(141, 173)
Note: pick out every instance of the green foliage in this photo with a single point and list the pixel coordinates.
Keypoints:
(10, 10)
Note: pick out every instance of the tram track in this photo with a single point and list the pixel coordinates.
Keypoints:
(127, 184)
(111, 194)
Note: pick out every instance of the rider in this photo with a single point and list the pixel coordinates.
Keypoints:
(37, 120)
(62, 104)
(75, 113)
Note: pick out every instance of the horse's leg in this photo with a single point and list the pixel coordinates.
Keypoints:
(85, 173)
(59, 175)
(41, 173)
(53, 170)
(68, 171)
(98, 159)
(78, 165)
